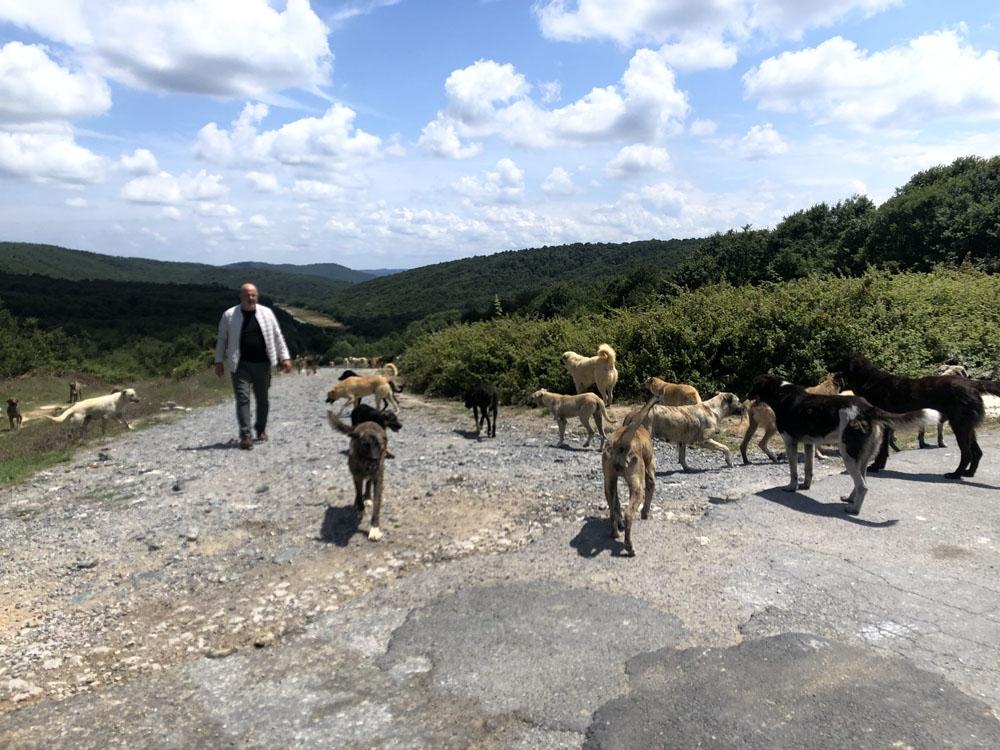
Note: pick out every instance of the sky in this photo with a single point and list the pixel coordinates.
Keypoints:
(398, 133)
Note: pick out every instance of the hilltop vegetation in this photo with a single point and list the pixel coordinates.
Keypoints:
(333, 271)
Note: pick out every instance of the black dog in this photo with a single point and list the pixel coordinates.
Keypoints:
(958, 400)
(850, 421)
(384, 418)
(347, 374)
(483, 396)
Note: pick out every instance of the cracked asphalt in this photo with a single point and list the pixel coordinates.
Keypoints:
(772, 620)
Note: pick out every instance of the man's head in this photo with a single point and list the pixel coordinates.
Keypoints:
(248, 297)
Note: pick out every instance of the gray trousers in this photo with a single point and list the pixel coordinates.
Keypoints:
(252, 377)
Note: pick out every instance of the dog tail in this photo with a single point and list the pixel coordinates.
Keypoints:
(337, 424)
(906, 419)
(987, 386)
(604, 351)
(62, 417)
(605, 415)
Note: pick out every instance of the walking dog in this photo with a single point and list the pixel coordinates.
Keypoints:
(957, 400)
(628, 453)
(382, 417)
(672, 394)
(357, 387)
(583, 406)
(852, 422)
(694, 424)
(14, 413)
(366, 460)
(103, 408)
(598, 370)
(483, 398)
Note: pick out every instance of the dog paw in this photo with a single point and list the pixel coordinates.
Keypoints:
(791, 487)
(805, 485)
(846, 499)
(374, 534)
(851, 510)
(954, 475)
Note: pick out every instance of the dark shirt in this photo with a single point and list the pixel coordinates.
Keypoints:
(252, 347)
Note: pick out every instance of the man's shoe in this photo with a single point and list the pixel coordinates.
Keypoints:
(246, 443)
(262, 436)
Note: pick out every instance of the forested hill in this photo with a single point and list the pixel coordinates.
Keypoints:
(515, 276)
(63, 263)
(324, 270)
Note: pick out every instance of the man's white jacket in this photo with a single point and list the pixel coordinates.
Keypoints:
(227, 347)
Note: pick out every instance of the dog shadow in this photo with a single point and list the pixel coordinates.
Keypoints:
(805, 504)
(572, 448)
(228, 445)
(931, 478)
(339, 524)
(594, 537)
(468, 434)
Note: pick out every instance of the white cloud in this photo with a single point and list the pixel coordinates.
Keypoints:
(762, 142)
(330, 140)
(315, 190)
(638, 158)
(49, 157)
(934, 76)
(141, 162)
(505, 185)
(698, 53)
(33, 88)
(152, 233)
(259, 220)
(217, 210)
(490, 99)
(76, 202)
(551, 91)
(702, 127)
(559, 182)
(661, 197)
(171, 212)
(353, 10)
(263, 182)
(223, 48)
(165, 189)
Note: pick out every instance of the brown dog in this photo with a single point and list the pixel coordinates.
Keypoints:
(75, 391)
(628, 454)
(14, 413)
(672, 394)
(357, 387)
(366, 460)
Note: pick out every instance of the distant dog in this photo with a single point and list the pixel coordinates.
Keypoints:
(75, 391)
(852, 422)
(357, 387)
(14, 413)
(312, 365)
(366, 460)
(598, 370)
(103, 408)
(483, 398)
(628, 453)
(583, 406)
(694, 424)
(382, 417)
(958, 400)
(762, 415)
(672, 394)
(299, 363)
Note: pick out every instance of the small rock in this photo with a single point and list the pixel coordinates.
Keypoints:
(84, 564)
(263, 640)
(190, 535)
(220, 653)
(263, 488)
(177, 487)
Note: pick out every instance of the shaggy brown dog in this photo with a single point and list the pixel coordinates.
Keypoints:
(958, 400)
(628, 453)
(672, 394)
(366, 460)
(598, 370)
(14, 413)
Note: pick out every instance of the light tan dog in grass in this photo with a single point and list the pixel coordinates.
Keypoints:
(672, 394)
(762, 415)
(103, 408)
(694, 424)
(628, 454)
(598, 370)
(357, 387)
(583, 406)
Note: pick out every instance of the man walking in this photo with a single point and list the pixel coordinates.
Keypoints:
(250, 343)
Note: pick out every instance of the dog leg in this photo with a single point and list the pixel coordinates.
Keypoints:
(809, 450)
(857, 497)
(586, 425)
(682, 455)
(359, 494)
(920, 439)
(599, 422)
(722, 449)
(562, 430)
(768, 434)
(941, 434)
(883, 453)
(819, 454)
(792, 451)
(650, 487)
(374, 532)
(635, 501)
(611, 496)
(747, 436)
(493, 429)
(976, 453)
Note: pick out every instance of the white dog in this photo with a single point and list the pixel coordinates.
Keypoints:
(598, 370)
(103, 408)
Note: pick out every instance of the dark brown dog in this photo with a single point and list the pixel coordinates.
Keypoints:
(14, 413)
(958, 400)
(366, 460)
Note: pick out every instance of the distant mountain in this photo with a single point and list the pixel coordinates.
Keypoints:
(63, 263)
(324, 270)
(381, 271)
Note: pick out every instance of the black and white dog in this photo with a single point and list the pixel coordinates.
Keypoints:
(849, 421)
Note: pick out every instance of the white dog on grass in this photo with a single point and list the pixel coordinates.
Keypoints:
(103, 408)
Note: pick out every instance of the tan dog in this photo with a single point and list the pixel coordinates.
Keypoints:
(583, 406)
(694, 424)
(628, 453)
(103, 408)
(14, 413)
(598, 370)
(762, 415)
(366, 460)
(390, 369)
(672, 394)
(357, 387)
(75, 391)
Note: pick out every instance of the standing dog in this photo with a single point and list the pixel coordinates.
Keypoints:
(358, 386)
(366, 460)
(75, 391)
(483, 397)
(583, 406)
(628, 453)
(958, 400)
(694, 424)
(598, 370)
(382, 417)
(14, 413)
(103, 408)
(672, 394)
(850, 421)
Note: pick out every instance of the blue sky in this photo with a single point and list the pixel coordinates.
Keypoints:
(396, 133)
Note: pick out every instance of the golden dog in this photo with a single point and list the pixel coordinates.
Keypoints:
(598, 370)
(628, 453)
(357, 387)
(672, 394)
(583, 406)
(694, 424)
